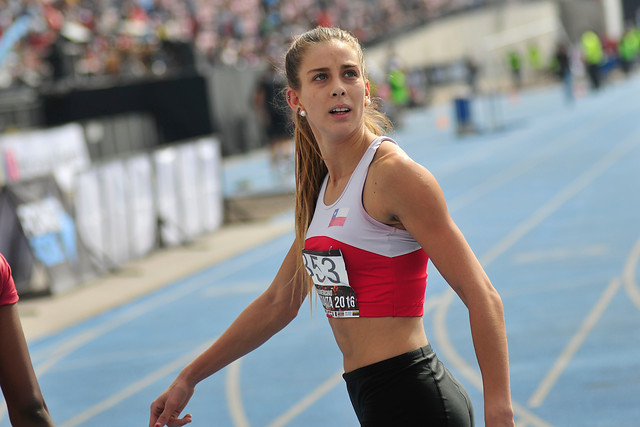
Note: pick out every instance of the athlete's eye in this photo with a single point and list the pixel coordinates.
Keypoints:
(319, 77)
(351, 73)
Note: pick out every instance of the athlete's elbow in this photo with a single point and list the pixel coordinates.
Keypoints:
(484, 298)
(289, 308)
(32, 414)
(283, 309)
(292, 311)
(491, 302)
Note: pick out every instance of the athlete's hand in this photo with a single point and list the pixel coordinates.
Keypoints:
(166, 409)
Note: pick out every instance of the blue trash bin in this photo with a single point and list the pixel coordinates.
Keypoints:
(463, 115)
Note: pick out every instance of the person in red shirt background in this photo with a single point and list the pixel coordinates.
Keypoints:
(18, 380)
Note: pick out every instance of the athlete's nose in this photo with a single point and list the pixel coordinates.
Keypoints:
(337, 92)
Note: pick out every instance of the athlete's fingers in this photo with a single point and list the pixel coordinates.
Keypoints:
(172, 420)
(166, 409)
(157, 407)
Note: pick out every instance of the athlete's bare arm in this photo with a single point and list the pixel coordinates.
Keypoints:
(408, 196)
(17, 378)
(275, 308)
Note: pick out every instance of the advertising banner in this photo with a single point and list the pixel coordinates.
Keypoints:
(50, 230)
(15, 248)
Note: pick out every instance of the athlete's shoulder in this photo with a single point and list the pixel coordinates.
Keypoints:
(5, 271)
(391, 162)
(8, 293)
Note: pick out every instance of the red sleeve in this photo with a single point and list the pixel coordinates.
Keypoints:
(8, 293)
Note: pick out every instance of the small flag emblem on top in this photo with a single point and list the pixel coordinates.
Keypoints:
(339, 217)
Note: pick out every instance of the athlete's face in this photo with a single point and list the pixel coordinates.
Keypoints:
(332, 89)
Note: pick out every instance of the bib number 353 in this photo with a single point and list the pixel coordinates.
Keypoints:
(329, 274)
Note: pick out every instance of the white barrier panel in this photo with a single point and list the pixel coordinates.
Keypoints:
(141, 207)
(115, 210)
(121, 204)
(114, 205)
(61, 151)
(210, 185)
(90, 218)
(166, 188)
(188, 191)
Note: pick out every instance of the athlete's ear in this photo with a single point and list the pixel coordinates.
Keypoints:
(293, 100)
(367, 91)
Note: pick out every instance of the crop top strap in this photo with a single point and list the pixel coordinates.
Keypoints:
(360, 173)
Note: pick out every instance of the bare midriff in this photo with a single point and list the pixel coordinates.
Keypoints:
(367, 340)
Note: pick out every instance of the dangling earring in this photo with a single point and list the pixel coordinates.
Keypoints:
(367, 101)
(302, 113)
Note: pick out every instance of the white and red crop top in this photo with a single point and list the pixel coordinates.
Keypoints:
(361, 267)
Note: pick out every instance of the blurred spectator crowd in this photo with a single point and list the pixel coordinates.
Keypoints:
(44, 41)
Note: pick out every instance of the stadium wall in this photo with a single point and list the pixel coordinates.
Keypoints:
(485, 34)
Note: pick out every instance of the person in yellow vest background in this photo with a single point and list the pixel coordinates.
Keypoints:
(593, 57)
(628, 49)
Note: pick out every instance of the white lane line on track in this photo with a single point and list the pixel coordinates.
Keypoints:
(444, 343)
(524, 417)
(560, 254)
(308, 400)
(134, 388)
(629, 275)
(569, 191)
(519, 168)
(234, 396)
(60, 350)
(576, 341)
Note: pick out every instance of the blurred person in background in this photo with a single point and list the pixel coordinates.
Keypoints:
(535, 61)
(628, 49)
(368, 218)
(471, 74)
(593, 57)
(515, 66)
(20, 387)
(269, 104)
(399, 96)
(561, 66)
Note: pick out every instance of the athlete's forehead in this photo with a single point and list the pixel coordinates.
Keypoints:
(329, 55)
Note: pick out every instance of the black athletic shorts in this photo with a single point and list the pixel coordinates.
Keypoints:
(413, 389)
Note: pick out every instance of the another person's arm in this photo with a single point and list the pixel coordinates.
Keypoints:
(415, 200)
(269, 313)
(18, 380)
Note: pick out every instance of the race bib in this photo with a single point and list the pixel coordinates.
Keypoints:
(329, 275)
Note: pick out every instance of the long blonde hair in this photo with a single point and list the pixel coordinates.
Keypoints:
(310, 168)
